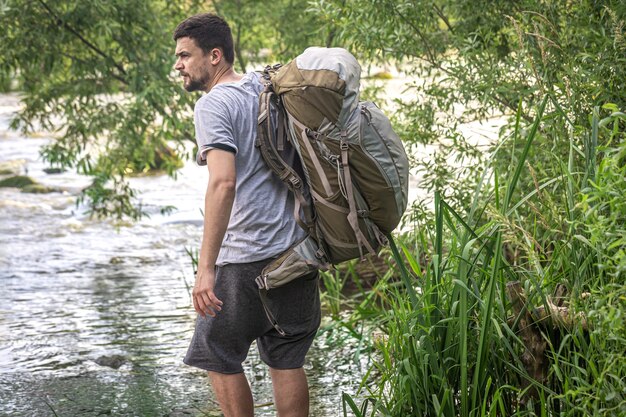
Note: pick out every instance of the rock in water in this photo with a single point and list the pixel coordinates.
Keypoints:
(112, 361)
(27, 185)
(17, 181)
(38, 189)
(53, 170)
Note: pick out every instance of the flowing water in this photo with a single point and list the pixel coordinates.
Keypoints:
(95, 319)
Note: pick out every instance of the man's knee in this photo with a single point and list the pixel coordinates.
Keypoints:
(291, 392)
(233, 393)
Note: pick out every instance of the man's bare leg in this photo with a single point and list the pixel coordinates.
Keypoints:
(233, 394)
(291, 392)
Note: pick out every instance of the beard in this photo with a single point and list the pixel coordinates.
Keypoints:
(197, 84)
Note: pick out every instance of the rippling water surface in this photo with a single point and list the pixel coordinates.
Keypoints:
(75, 292)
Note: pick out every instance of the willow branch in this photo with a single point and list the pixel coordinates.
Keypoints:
(511, 106)
(74, 32)
(443, 17)
(240, 58)
(216, 7)
(84, 62)
(429, 51)
(332, 33)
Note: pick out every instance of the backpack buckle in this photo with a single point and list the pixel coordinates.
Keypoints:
(295, 181)
(261, 283)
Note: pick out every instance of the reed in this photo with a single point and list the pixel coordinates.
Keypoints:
(516, 306)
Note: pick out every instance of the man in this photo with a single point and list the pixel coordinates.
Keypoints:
(248, 221)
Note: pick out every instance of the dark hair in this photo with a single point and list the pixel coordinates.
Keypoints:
(208, 31)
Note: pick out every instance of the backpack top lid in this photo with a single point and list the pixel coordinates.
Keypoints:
(320, 85)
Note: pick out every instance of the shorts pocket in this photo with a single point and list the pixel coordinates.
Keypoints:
(297, 304)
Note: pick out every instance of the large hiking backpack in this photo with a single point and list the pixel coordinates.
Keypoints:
(340, 157)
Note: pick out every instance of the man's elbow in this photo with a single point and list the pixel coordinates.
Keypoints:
(223, 185)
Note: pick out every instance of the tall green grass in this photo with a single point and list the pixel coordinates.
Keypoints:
(450, 344)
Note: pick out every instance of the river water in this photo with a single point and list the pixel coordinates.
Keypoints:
(75, 291)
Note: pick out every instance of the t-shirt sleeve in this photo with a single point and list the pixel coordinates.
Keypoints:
(214, 128)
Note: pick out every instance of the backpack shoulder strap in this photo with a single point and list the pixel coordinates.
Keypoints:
(273, 142)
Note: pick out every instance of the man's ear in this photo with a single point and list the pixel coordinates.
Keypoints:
(215, 55)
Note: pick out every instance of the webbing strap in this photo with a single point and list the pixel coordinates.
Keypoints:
(353, 215)
(300, 203)
(316, 162)
(270, 146)
(328, 204)
(332, 241)
(280, 140)
(268, 313)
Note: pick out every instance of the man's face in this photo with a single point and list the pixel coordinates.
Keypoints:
(192, 64)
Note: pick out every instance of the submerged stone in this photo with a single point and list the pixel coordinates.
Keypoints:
(27, 185)
(17, 181)
(53, 170)
(38, 189)
(112, 361)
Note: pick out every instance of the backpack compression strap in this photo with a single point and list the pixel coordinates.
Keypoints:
(353, 216)
(271, 144)
(347, 189)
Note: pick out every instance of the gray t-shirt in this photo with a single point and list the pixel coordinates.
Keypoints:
(261, 223)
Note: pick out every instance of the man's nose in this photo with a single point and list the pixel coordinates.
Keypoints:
(178, 65)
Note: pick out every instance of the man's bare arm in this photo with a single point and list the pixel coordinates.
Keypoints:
(218, 203)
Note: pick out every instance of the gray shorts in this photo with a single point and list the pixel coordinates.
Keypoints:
(221, 343)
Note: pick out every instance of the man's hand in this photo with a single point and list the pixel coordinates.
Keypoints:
(204, 299)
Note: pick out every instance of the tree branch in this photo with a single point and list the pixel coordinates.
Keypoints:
(74, 32)
(82, 61)
(509, 105)
(443, 17)
(332, 32)
(429, 51)
(216, 7)
(433, 61)
(240, 58)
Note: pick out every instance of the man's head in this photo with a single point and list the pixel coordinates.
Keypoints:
(203, 43)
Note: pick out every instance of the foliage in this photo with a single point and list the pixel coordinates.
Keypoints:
(100, 75)
(603, 202)
(265, 32)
